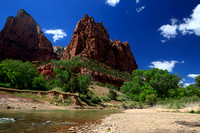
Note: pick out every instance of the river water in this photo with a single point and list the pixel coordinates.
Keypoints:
(48, 121)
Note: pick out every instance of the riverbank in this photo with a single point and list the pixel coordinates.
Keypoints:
(149, 121)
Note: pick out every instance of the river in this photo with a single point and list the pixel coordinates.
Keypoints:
(48, 121)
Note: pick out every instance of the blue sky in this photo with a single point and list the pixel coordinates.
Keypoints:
(162, 33)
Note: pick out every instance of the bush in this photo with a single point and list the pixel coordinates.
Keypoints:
(112, 94)
(95, 100)
(39, 84)
(151, 99)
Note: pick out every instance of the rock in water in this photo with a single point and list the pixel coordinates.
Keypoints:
(92, 40)
(23, 39)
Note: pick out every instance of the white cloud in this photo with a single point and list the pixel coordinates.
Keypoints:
(57, 33)
(140, 9)
(187, 84)
(169, 31)
(193, 75)
(165, 65)
(137, 1)
(189, 25)
(112, 3)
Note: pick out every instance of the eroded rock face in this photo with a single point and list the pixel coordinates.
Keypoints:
(92, 40)
(23, 39)
(58, 50)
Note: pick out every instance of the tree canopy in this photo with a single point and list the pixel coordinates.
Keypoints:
(155, 82)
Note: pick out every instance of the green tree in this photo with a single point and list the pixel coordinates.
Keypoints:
(39, 84)
(158, 80)
(197, 79)
(83, 83)
(69, 81)
(23, 73)
(7, 77)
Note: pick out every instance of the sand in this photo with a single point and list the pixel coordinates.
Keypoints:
(150, 121)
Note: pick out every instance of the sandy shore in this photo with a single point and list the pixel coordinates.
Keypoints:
(149, 121)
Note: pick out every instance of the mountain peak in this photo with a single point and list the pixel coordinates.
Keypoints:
(22, 12)
(91, 40)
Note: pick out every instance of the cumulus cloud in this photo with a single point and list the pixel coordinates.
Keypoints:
(165, 65)
(193, 75)
(140, 9)
(57, 33)
(112, 3)
(169, 31)
(189, 25)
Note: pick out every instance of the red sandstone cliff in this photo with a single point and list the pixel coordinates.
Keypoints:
(23, 39)
(92, 40)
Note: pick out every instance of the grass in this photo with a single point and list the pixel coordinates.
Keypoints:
(178, 103)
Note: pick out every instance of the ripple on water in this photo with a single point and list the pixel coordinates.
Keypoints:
(6, 120)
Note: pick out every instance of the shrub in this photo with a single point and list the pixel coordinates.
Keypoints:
(39, 84)
(112, 94)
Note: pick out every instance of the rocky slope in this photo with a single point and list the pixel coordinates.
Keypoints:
(92, 40)
(23, 39)
(58, 50)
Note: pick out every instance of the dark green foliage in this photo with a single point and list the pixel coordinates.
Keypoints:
(7, 78)
(18, 74)
(193, 90)
(150, 85)
(197, 79)
(83, 83)
(39, 84)
(112, 94)
(67, 80)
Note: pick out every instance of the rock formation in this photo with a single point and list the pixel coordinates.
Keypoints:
(92, 40)
(58, 50)
(48, 71)
(23, 39)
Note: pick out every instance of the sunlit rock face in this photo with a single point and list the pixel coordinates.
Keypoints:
(92, 40)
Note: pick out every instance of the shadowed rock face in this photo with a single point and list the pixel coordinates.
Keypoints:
(23, 39)
(92, 40)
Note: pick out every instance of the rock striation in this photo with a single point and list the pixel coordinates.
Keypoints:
(23, 39)
(92, 40)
